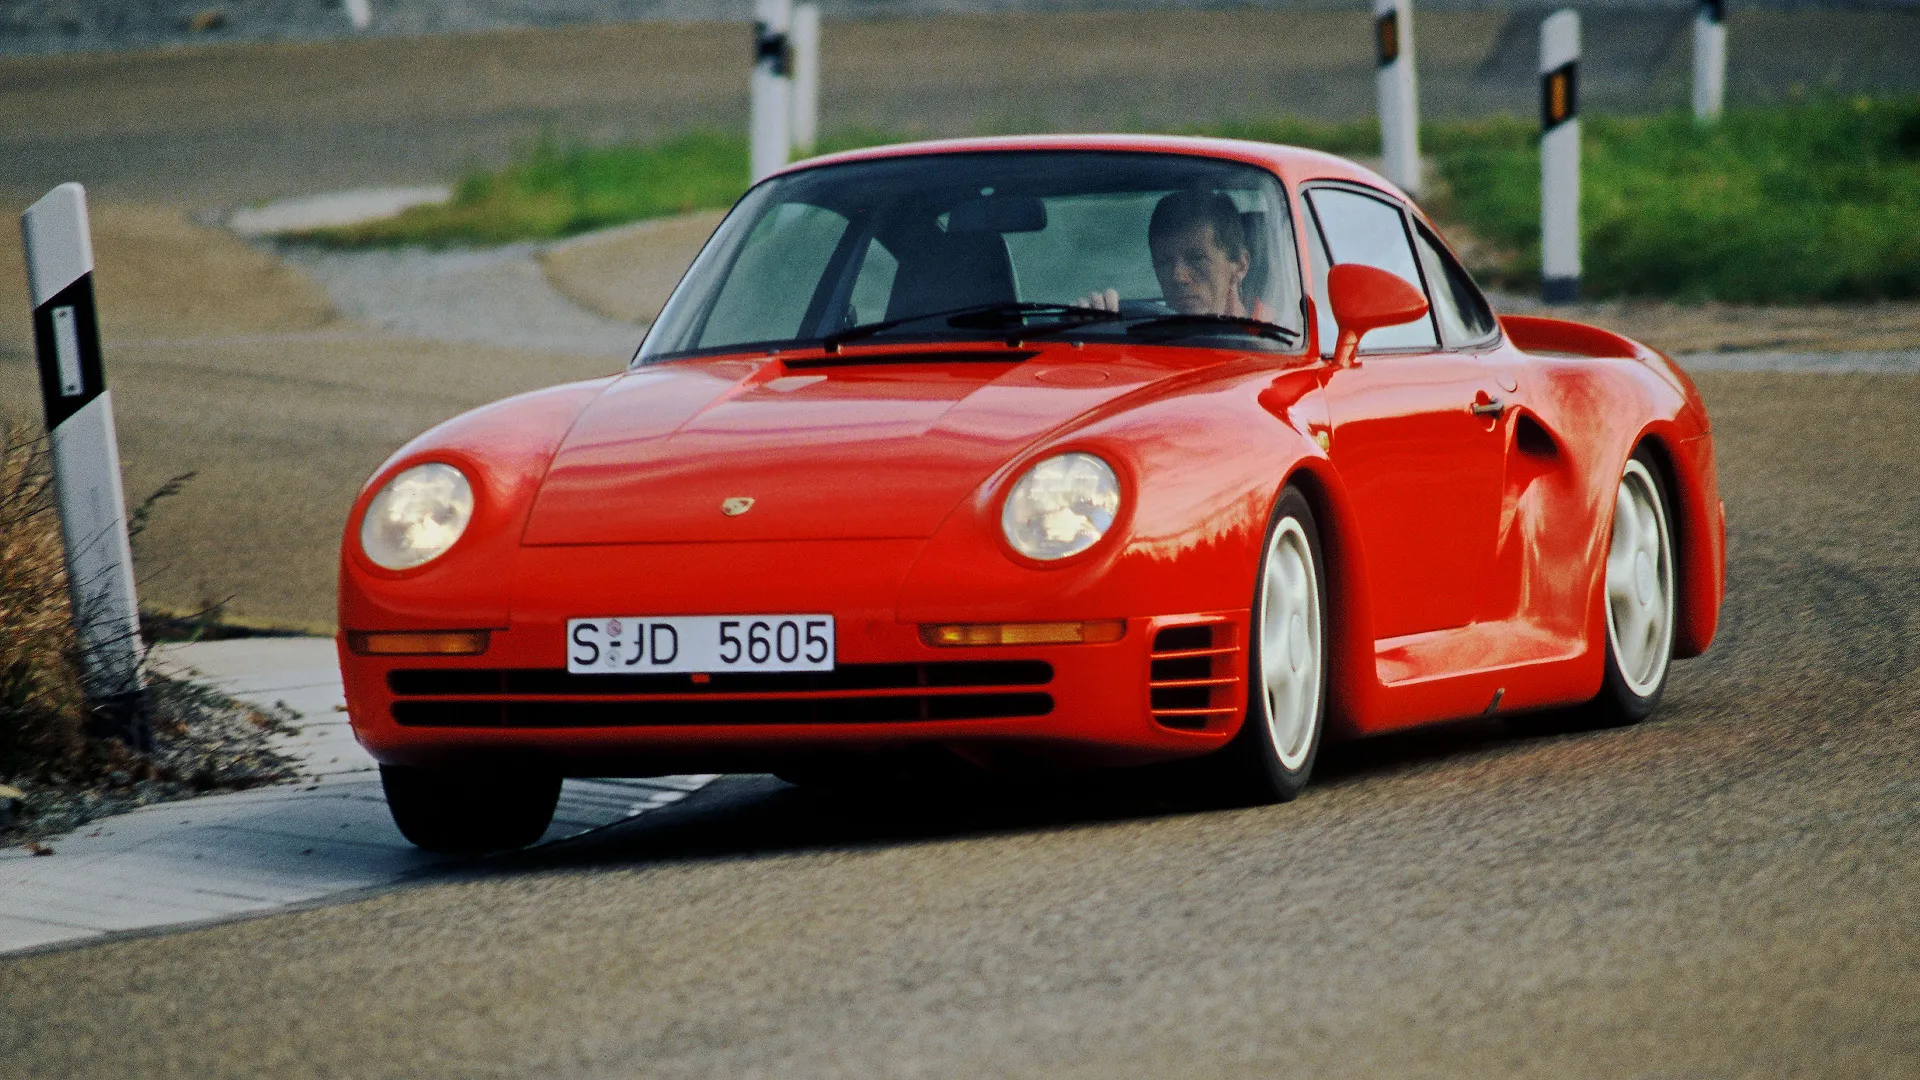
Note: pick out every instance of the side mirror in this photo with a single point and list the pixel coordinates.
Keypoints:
(1367, 298)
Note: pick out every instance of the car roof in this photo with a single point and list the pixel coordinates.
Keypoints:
(1293, 164)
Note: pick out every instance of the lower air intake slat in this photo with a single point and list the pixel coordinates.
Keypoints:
(594, 714)
(557, 682)
(1183, 706)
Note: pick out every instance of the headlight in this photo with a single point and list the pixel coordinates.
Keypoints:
(1061, 507)
(417, 516)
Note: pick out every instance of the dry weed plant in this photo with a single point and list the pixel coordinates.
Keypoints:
(42, 709)
(203, 740)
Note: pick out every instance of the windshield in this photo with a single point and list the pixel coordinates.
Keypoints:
(1168, 247)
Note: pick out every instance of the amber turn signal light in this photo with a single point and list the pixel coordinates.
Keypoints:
(1094, 632)
(418, 643)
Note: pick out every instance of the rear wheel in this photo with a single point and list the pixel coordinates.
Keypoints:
(1640, 597)
(1271, 758)
(470, 812)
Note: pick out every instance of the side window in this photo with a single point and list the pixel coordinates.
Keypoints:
(1458, 306)
(1361, 229)
(766, 294)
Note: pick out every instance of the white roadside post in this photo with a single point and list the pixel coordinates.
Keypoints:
(1560, 157)
(806, 77)
(359, 13)
(771, 138)
(1399, 98)
(86, 462)
(1709, 60)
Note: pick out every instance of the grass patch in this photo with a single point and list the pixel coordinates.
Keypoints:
(555, 191)
(1810, 202)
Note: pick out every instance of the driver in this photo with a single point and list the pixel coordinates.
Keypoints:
(1200, 255)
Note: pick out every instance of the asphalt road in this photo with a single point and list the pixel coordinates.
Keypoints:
(1729, 889)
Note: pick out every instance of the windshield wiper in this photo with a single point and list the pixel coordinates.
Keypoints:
(1244, 323)
(996, 316)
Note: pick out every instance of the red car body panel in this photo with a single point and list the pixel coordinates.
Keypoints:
(1465, 555)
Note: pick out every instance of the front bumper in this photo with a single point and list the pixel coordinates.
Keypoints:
(1172, 686)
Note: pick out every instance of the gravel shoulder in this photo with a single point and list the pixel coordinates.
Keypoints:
(627, 273)
(1678, 329)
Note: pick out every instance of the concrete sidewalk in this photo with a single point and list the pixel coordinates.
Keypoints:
(252, 851)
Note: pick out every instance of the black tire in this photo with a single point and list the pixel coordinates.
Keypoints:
(470, 812)
(1628, 697)
(1255, 768)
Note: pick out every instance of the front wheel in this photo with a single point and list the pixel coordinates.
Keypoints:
(1640, 597)
(470, 812)
(1271, 758)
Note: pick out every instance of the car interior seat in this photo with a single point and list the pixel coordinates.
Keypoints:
(1259, 256)
(942, 271)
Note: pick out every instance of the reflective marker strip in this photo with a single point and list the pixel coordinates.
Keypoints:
(1559, 95)
(66, 347)
(772, 49)
(66, 338)
(1386, 38)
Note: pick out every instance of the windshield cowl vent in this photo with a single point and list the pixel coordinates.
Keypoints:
(916, 356)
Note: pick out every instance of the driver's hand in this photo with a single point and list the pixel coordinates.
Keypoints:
(1103, 299)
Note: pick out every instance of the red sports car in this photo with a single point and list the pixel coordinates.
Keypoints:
(1079, 449)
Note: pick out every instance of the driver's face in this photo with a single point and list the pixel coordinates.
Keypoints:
(1196, 275)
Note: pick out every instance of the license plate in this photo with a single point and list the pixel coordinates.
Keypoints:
(638, 644)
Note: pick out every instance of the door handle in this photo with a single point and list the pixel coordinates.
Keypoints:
(1490, 407)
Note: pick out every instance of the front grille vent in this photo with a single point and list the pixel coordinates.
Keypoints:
(891, 709)
(850, 694)
(1193, 675)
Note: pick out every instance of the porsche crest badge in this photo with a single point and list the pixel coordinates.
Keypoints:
(737, 505)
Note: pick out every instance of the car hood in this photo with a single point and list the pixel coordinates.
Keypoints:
(853, 450)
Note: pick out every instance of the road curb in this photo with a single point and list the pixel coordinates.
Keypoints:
(196, 862)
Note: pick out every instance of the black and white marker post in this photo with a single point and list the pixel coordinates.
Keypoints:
(771, 137)
(86, 462)
(1709, 59)
(1393, 79)
(1560, 157)
(805, 37)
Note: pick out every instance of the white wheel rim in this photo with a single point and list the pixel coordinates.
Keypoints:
(1290, 648)
(1640, 583)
